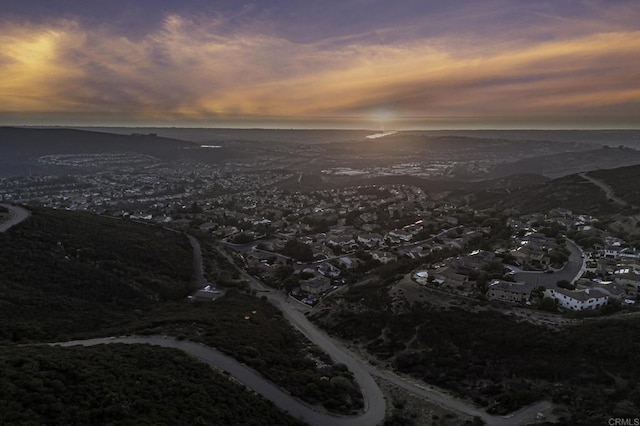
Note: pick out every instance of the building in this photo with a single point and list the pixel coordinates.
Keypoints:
(383, 256)
(578, 300)
(315, 285)
(401, 235)
(370, 240)
(506, 291)
(341, 241)
(626, 276)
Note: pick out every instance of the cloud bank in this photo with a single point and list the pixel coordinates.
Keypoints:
(198, 69)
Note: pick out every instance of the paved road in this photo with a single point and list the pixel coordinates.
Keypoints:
(608, 191)
(571, 271)
(197, 261)
(363, 372)
(18, 215)
(239, 371)
(374, 403)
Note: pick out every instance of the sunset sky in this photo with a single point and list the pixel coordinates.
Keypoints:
(347, 63)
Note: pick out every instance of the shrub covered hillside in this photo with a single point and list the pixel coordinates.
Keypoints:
(254, 332)
(67, 272)
(125, 385)
(591, 369)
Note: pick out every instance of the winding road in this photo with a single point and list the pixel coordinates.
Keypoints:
(240, 372)
(364, 372)
(374, 402)
(18, 214)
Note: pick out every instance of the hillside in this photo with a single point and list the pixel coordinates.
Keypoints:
(20, 148)
(65, 273)
(477, 353)
(69, 275)
(624, 181)
(567, 163)
(122, 384)
(25, 143)
(572, 192)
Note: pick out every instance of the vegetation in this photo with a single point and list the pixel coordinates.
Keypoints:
(621, 181)
(255, 333)
(122, 384)
(591, 368)
(297, 250)
(568, 192)
(65, 273)
(71, 276)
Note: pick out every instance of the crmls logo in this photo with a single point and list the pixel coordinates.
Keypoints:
(624, 422)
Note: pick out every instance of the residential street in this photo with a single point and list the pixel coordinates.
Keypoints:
(571, 271)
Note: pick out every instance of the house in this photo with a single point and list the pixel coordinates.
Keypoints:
(315, 285)
(383, 256)
(348, 262)
(421, 277)
(627, 277)
(400, 234)
(449, 276)
(578, 300)
(328, 270)
(629, 253)
(370, 240)
(610, 288)
(506, 291)
(414, 253)
(528, 255)
(343, 241)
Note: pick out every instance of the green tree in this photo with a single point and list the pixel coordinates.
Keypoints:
(549, 304)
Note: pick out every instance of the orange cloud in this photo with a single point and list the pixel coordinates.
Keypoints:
(193, 69)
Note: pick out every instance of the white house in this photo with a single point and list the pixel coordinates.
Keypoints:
(578, 300)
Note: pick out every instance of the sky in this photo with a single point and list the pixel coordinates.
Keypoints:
(403, 64)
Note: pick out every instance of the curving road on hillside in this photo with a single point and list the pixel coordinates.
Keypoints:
(240, 372)
(18, 214)
(364, 372)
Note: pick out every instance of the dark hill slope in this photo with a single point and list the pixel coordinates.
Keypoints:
(125, 385)
(572, 192)
(567, 163)
(26, 143)
(65, 273)
(20, 148)
(624, 181)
